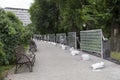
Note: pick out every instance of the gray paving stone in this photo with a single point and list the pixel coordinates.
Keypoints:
(53, 63)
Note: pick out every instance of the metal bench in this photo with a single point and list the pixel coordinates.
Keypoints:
(22, 58)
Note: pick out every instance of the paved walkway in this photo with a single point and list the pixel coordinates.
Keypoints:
(53, 63)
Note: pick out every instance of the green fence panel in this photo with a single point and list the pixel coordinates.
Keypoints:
(91, 41)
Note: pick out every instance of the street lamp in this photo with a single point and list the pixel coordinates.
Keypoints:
(84, 26)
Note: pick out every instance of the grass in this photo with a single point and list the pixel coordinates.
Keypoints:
(115, 55)
(4, 70)
(26, 47)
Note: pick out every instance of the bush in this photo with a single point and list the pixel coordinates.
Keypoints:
(12, 33)
(2, 54)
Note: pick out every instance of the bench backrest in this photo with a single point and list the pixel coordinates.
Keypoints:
(19, 49)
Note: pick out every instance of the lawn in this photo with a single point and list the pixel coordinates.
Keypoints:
(115, 55)
(4, 70)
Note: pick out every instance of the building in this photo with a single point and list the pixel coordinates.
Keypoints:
(22, 14)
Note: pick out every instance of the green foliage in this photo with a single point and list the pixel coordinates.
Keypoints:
(115, 55)
(2, 54)
(12, 33)
(70, 15)
(95, 14)
(44, 15)
(4, 70)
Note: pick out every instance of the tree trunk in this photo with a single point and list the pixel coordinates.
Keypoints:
(115, 37)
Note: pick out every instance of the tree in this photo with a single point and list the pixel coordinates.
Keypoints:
(71, 15)
(114, 21)
(44, 15)
(70, 19)
(103, 14)
(93, 13)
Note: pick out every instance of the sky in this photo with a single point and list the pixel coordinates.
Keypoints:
(16, 3)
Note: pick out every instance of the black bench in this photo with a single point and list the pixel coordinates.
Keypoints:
(23, 58)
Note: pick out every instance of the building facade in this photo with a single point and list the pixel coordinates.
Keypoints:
(22, 14)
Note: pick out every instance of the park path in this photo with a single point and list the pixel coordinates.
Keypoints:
(53, 63)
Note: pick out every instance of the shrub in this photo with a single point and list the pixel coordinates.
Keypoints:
(12, 33)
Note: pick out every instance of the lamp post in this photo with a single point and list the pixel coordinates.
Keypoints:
(84, 26)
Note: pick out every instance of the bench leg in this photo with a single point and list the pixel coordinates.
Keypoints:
(29, 65)
(17, 67)
(33, 61)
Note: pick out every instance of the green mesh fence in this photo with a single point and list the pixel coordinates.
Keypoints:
(91, 41)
